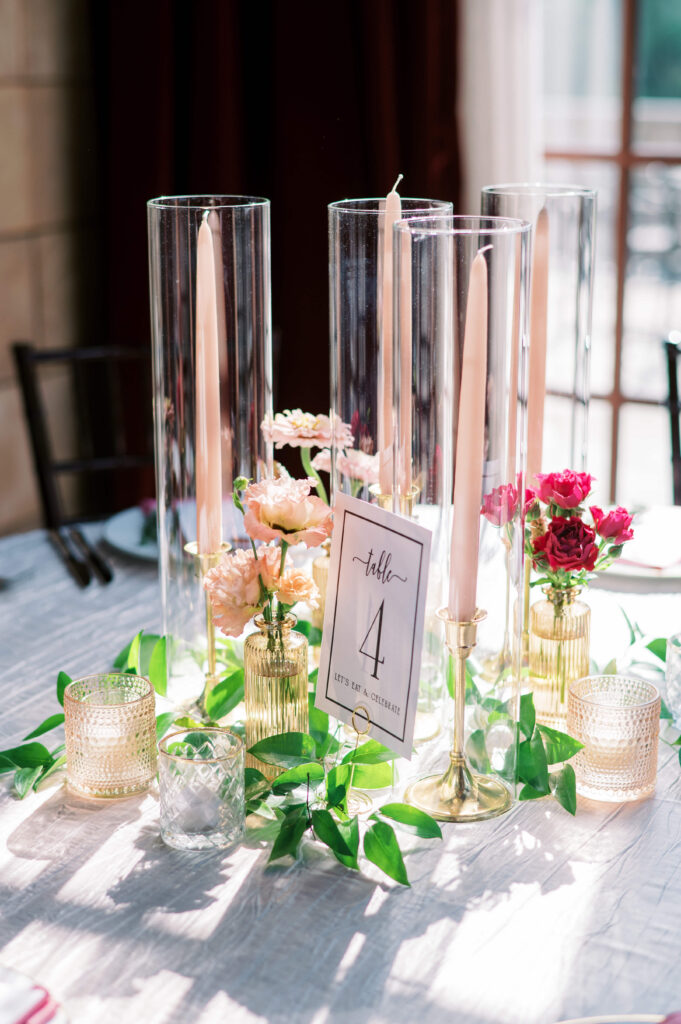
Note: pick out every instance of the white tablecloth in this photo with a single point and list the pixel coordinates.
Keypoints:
(526, 919)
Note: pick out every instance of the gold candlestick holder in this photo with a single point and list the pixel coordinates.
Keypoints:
(460, 794)
(405, 502)
(202, 563)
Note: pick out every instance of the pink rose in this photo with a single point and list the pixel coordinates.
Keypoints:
(233, 586)
(304, 430)
(295, 585)
(283, 509)
(500, 505)
(567, 544)
(531, 505)
(614, 525)
(567, 489)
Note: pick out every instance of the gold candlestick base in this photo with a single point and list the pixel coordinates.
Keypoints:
(460, 794)
(405, 501)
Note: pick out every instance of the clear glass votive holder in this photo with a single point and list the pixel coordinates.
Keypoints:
(617, 718)
(110, 728)
(672, 678)
(201, 784)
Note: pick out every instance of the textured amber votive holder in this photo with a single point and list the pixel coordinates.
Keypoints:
(617, 718)
(110, 728)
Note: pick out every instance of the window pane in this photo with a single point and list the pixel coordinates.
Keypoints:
(657, 107)
(652, 295)
(582, 62)
(604, 177)
(644, 468)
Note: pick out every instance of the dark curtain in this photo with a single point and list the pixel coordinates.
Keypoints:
(299, 101)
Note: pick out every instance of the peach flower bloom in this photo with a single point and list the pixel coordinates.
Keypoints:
(295, 585)
(304, 430)
(284, 509)
(353, 462)
(234, 589)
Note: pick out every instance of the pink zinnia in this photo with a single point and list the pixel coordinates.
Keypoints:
(300, 429)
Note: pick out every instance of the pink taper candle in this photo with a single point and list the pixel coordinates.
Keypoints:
(539, 287)
(470, 446)
(208, 458)
(393, 212)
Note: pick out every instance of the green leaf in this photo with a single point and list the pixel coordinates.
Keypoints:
(132, 663)
(63, 681)
(6, 765)
(558, 745)
(158, 669)
(24, 778)
(383, 850)
(411, 819)
(163, 723)
(371, 752)
(319, 721)
(121, 659)
(634, 628)
(311, 772)
(291, 832)
(50, 723)
(185, 722)
(563, 787)
(286, 750)
(530, 793)
(313, 677)
(225, 695)
(58, 764)
(326, 829)
(372, 776)
(450, 676)
(476, 752)
(349, 830)
(532, 764)
(611, 668)
(658, 647)
(257, 789)
(527, 715)
(313, 634)
(30, 756)
(665, 713)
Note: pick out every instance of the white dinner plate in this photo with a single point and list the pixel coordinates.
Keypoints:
(124, 533)
(618, 1018)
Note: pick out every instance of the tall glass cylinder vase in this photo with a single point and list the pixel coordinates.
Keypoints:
(439, 258)
(209, 264)
(360, 310)
(563, 219)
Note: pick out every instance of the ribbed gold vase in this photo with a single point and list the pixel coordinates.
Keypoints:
(559, 651)
(275, 685)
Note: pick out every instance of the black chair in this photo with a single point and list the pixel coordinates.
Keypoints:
(673, 350)
(111, 398)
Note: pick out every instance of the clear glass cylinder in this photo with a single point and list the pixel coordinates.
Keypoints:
(360, 310)
(434, 259)
(559, 651)
(110, 733)
(275, 684)
(231, 367)
(201, 788)
(320, 574)
(617, 718)
(560, 312)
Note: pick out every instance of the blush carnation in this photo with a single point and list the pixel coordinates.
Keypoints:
(567, 489)
(615, 525)
(233, 586)
(353, 463)
(300, 429)
(284, 509)
(295, 585)
(500, 505)
(567, 544)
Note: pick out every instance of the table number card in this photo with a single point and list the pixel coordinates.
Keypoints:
(373, 623)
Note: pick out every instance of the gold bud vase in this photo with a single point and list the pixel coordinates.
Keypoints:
(559, 651)
(275, 685)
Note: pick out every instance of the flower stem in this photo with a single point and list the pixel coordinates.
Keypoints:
(311, 471)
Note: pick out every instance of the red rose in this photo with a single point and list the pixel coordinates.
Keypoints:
(499, 506)
(568, 544)
(531, 506)
(615, 525)
(567, 489)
